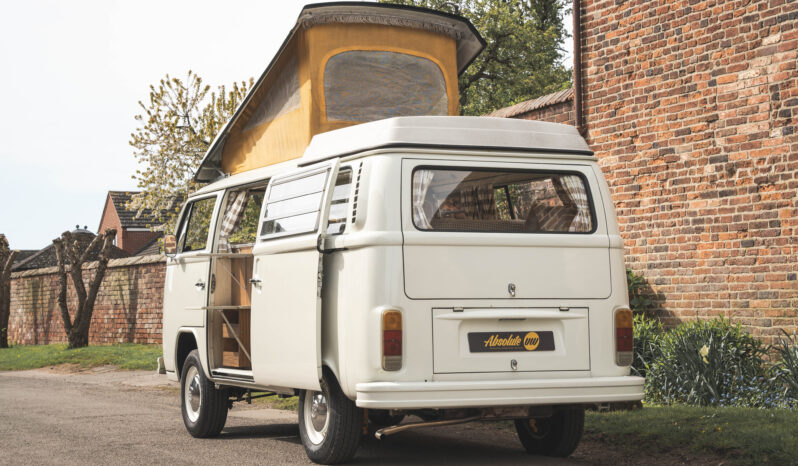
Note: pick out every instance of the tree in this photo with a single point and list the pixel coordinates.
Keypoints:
(71, 255)
(523, 57)
(7, 257)
(178, 125)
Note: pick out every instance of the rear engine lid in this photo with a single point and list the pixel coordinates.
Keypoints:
(510, 339)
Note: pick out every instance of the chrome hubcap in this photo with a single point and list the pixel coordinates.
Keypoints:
(316, 416)
(193, 394)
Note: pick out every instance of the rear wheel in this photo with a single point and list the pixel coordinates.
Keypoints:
(557, 435)
(204, 407)
(329, 423)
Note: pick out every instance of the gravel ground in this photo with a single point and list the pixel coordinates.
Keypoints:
(103, 416)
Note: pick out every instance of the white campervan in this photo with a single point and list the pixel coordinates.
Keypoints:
(451, 268)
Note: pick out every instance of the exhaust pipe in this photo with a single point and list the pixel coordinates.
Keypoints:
(417, 425)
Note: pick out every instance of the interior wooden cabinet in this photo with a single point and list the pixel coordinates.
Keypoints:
(230, 316)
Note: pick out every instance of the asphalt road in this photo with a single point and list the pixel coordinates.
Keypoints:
(49, 417)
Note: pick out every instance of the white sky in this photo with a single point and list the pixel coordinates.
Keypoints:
(71, 75)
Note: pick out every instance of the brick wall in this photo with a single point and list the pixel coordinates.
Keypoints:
(128, 307)
(110, 219)
(691, 107)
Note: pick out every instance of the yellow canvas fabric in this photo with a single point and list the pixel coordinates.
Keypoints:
(257, 141)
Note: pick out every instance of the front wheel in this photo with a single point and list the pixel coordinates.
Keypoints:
(557, 435)
(204, 407)
(329, 423)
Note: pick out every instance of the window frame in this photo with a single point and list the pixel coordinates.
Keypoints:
(185, 217)
(261, 237)
(586, 184)
(225, 199)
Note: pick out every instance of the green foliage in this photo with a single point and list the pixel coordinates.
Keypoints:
(523, 57)
(736, 435)
(647, 333)
(785, 370)
(125, 356)
(177, 125)
(247, 227)
(711, 363)
(639, 298)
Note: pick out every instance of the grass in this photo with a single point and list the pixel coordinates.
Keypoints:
(125, 356)
(274, 401)
(740, 435)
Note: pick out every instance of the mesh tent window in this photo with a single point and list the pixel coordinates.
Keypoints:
(364, 85)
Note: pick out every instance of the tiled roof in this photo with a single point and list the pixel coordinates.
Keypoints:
(128, 218)
(534, 104)
(46, 257)
(153, 247)
(24, 254)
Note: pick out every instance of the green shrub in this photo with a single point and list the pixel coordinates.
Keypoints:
(785, 370)
(639, 300)
(647, 332)
(711, 363)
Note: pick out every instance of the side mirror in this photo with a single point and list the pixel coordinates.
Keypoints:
(170, 245)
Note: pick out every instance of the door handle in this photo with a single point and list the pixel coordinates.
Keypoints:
(200, 284)
(255, 281)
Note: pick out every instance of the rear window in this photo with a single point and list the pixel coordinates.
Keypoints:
(500, 201)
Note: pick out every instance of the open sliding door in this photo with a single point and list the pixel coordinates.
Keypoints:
(287, 279)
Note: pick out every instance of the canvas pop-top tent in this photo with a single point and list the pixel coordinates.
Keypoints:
(343, 64)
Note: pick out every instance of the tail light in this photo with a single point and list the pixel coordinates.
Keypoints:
(624, 337)
(391, 340)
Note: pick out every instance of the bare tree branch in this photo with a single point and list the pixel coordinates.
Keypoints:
(71, 257)
(61, 258)
(7, 257)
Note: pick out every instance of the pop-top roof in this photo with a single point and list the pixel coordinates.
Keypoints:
(466, 133)
(244, 145)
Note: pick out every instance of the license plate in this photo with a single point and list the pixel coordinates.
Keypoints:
(496, 342)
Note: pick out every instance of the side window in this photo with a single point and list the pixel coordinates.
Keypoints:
(194, 229)
(339, 206)
(293, 205)
(240, 221)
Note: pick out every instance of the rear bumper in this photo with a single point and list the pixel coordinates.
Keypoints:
(415, 395)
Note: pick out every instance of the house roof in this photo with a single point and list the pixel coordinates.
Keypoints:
(24, 254)
(527, 106)
(46, 257)
(128, 217)
(151, 248)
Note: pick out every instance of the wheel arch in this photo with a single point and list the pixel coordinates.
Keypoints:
(185, 344)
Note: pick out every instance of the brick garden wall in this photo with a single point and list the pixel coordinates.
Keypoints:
(691, 107)
(128, 307)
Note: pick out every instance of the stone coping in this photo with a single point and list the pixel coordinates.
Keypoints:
(113, 263)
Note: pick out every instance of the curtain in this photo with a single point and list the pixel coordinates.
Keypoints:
(421, 183)
(469, 203)
(572, 184)
(232, 215)
(487, 206)
(478, 203)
